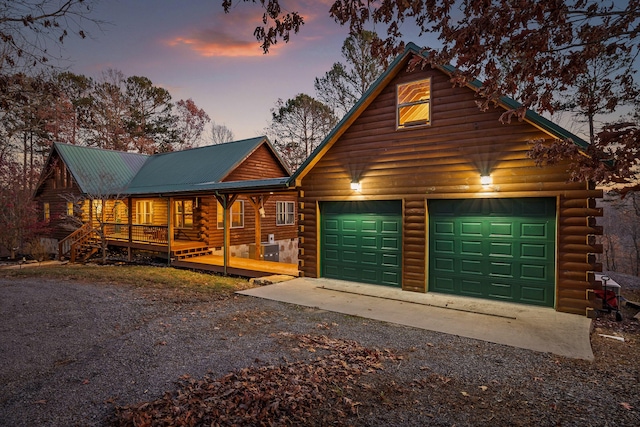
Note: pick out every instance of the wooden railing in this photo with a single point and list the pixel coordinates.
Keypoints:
(65, 245)
(139, 233)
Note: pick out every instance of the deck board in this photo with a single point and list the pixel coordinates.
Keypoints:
(241, 266)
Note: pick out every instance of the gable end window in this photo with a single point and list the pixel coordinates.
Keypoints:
(285, 213)
(414, 104)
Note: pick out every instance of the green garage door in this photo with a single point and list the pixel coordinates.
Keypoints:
(501, 249)
(362, 241)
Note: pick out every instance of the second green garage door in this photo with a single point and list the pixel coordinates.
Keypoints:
(362, 241)
(501, 249)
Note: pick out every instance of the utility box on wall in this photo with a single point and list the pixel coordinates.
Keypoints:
(269, 251)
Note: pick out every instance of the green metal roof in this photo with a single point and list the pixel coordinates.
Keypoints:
(394, 68)
(107, 172)
(196, 169)
(98, 171)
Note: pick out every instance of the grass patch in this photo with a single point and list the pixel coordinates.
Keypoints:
(140, 276)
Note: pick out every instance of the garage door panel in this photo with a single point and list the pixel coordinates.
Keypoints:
(443, 246)
(494, 248)
(444, 265)
(349, 241)
(533, 250)
(470, 266)
(501, 249)
(392, 243)
(502, 290)
(390, 226)
(534, 272)
(533, 230)
(470, 287)
(501, 269)
(369, 226)
(370, 258)
(534, 295)
(370, 241)
(390, 260)
(470, 228)
(502, 229)
(444, 227)
(443, 284)
(331, 254)
(468, 247)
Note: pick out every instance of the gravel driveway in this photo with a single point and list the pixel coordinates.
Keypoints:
(70, 352)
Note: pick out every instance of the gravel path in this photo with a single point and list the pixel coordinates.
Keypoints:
(70, 352)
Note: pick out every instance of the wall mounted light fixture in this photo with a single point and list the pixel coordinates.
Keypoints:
(486, 180)
(355, 185)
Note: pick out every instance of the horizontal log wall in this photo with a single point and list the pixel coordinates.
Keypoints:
(446, 160)
(260, 164)
(246, 235)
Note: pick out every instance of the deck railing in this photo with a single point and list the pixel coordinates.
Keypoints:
(139, 232)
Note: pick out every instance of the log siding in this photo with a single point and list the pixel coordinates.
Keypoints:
(446, 160)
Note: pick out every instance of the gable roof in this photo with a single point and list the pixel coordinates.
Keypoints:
(107, 172)
(98, 171)
(197, 169)
(394, 68)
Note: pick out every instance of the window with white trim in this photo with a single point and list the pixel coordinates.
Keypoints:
(144, 211)
(237, 215)
(414, 104)
(285, 213)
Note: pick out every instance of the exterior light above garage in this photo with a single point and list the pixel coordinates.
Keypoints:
(355, 185)
(486, 180)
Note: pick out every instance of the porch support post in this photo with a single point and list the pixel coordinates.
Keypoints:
(226, 201)
(258, 203)
(130, 221)
(169, 228)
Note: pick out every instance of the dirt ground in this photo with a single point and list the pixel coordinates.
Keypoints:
(83, 354)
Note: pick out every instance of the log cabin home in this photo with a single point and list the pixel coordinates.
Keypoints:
(419, 189)
(223, 208)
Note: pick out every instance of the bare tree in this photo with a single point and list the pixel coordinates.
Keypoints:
(29, 28)
(221, 134)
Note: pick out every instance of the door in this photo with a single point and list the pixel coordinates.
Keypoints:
(501, 249)
(362, 241)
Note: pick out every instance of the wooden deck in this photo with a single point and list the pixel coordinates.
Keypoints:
(238, 266)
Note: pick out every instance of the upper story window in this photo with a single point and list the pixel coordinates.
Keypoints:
(285, 213)
(46, 209)
(414, 104)
(237, 215)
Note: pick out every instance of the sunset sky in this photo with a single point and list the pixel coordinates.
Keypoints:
(195, 51)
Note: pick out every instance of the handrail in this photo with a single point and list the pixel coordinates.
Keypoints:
(64, 246)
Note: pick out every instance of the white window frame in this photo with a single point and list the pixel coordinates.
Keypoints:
(410, 104)
(236, 214)
(285, 213)
(144, 211)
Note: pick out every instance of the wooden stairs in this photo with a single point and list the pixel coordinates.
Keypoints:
(180, 254)
(80, 245)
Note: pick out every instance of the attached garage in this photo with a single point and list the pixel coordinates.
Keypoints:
(362, 241)
(501, 249)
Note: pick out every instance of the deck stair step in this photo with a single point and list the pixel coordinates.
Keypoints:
(191, 252)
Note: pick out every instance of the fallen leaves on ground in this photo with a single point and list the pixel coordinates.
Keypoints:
(291, 393)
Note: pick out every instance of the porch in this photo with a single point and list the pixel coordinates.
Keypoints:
(190, 253)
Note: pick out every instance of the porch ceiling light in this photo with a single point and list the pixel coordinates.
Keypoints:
(355, 186)
(486, 180)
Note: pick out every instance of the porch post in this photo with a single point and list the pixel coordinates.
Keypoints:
(169, 228)
(130, 220)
